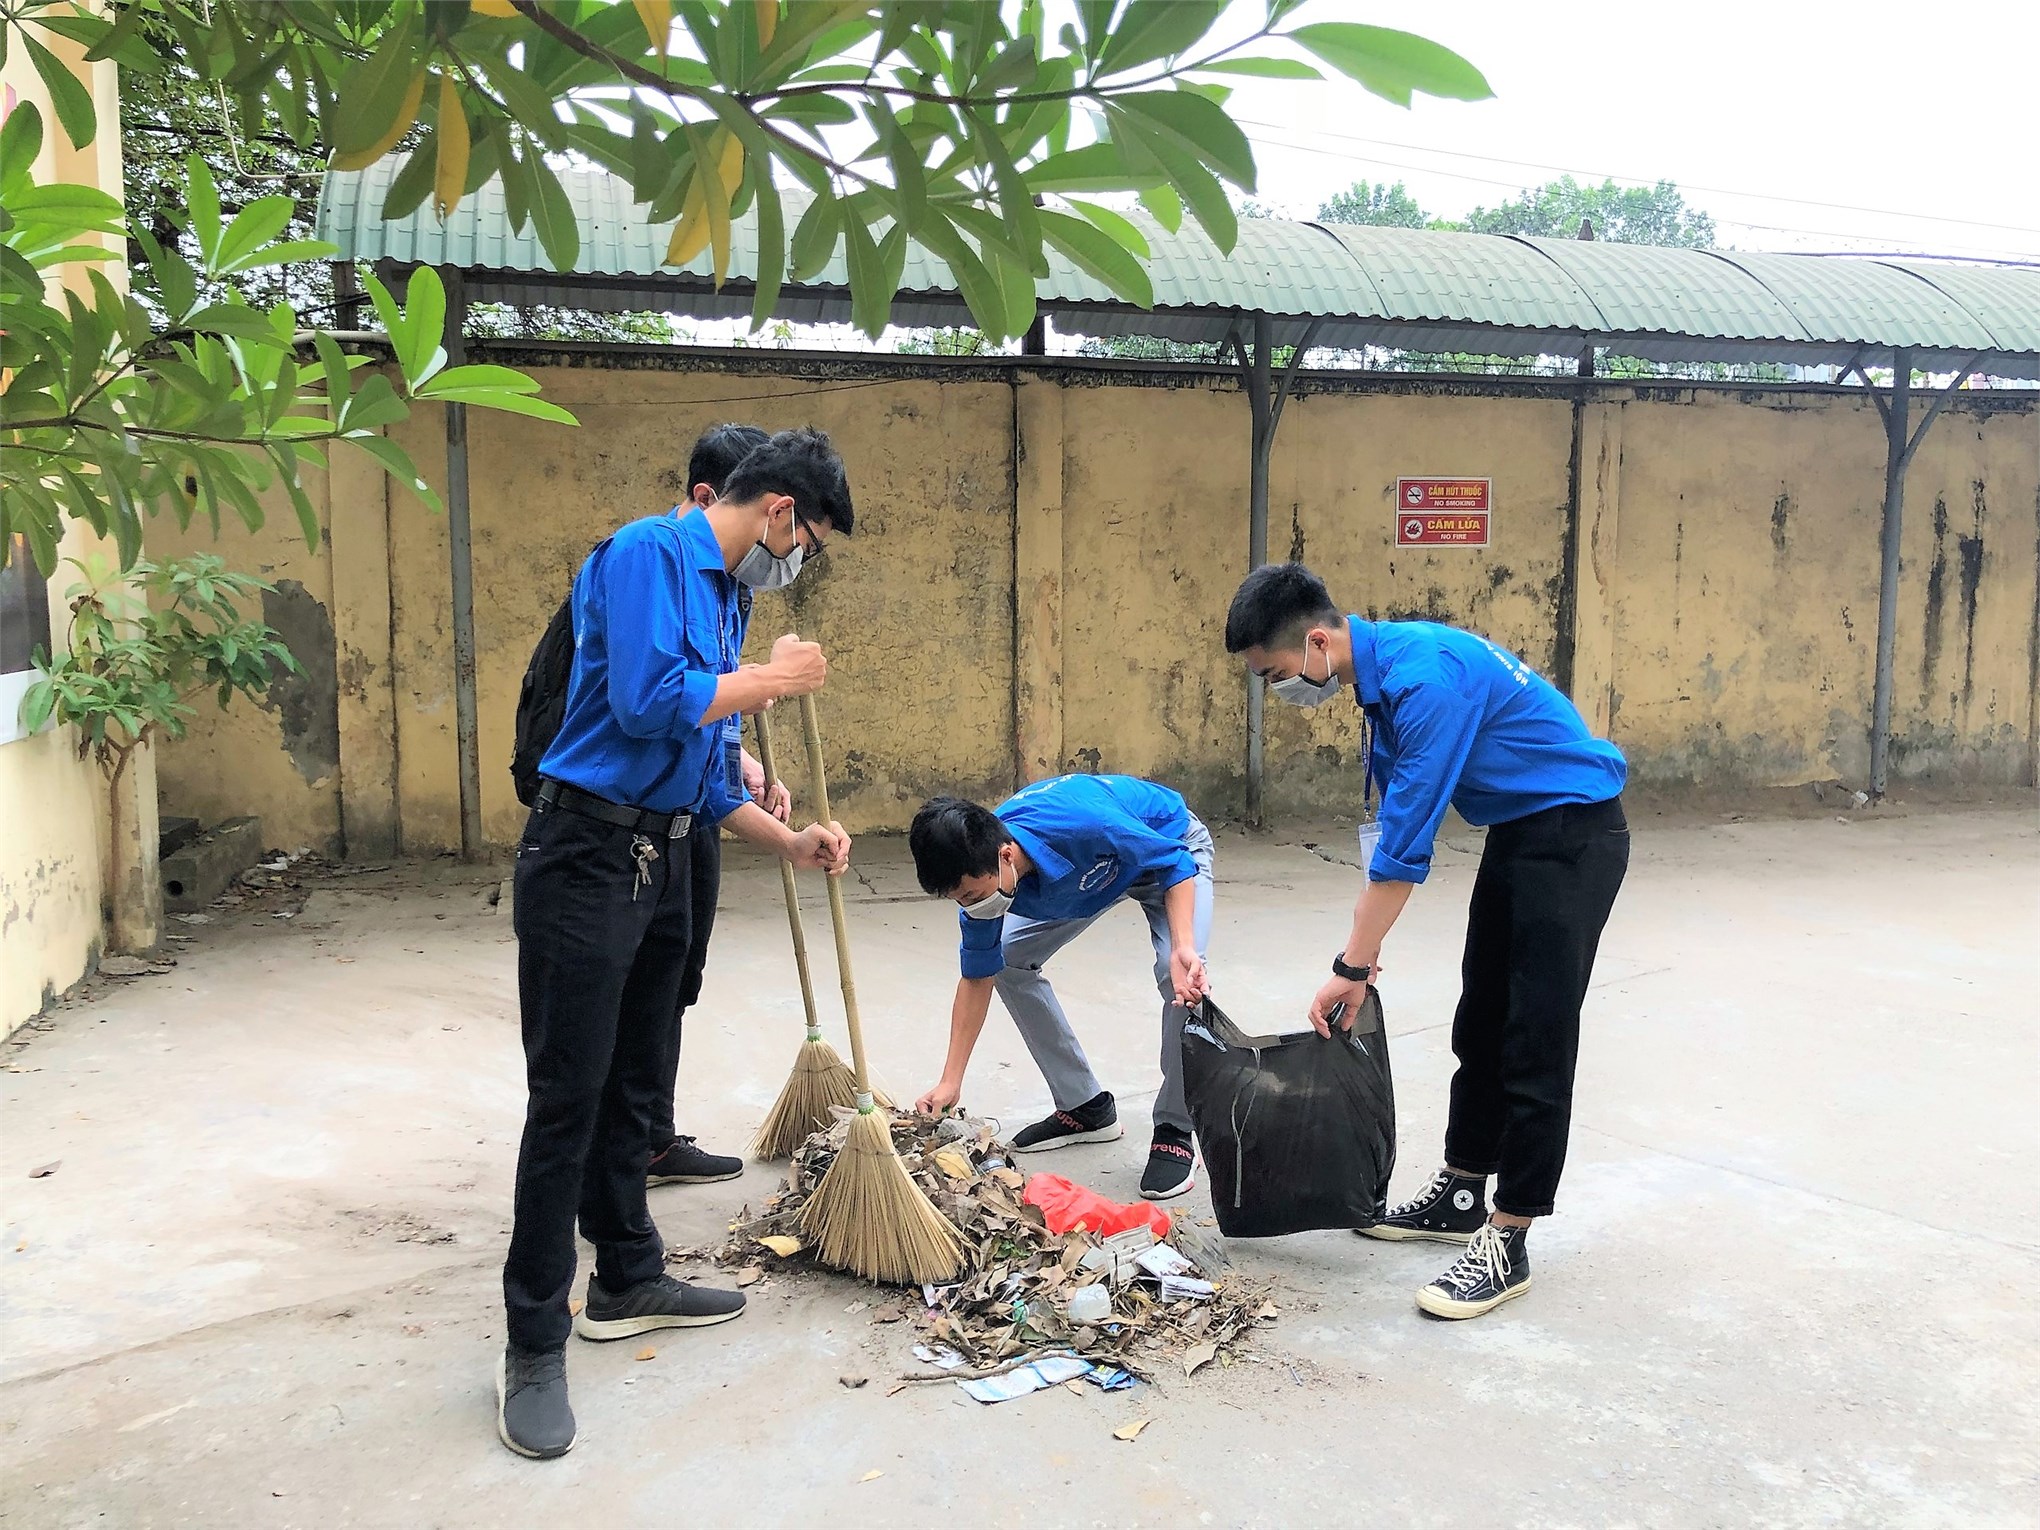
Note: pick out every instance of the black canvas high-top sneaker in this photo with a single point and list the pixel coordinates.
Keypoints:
(1450, 1209)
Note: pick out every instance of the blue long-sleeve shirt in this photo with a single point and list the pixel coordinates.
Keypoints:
(1462, 723)
(1090, 839)
(657, 621)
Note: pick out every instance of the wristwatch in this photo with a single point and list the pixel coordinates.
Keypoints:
(1350, 974)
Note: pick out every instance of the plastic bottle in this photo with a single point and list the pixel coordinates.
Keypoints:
(1090, 1304)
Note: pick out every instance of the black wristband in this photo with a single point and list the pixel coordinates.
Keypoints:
(1350, 974)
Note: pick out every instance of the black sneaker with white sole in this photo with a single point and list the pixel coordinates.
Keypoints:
(1494, 1269)
(1450, 1209)
(532, 1414)
(1096, 1120)
(681, 1162)
(661, 1302)
(1170, 1166)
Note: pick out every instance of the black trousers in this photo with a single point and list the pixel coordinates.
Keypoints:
(604, 936)
(706, 881)
(1545, 887)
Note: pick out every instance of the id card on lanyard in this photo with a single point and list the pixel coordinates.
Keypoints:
(733, 726)
(1370, 826)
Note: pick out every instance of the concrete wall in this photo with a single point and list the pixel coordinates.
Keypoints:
(53, 804)
(1044, 557)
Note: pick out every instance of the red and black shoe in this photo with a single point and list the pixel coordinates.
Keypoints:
(1096, 1120)
(1170, 1166)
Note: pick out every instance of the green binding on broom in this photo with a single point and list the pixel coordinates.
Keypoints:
(867, 1215)
(820, 1083)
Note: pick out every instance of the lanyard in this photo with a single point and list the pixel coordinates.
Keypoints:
(1367, 758)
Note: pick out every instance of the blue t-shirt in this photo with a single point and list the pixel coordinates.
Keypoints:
(1460, 722)
(657, 622)
(1090, 839)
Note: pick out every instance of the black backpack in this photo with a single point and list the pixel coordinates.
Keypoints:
(542, 700)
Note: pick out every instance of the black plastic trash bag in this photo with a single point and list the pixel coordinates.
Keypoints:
(1298, 1132)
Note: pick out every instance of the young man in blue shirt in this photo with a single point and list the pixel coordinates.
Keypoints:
(1030, 877)
(643, 764)
(1455, 721)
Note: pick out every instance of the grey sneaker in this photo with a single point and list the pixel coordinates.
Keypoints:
(661, 1302)
(683, 1162)
(1450, 1209)
(1494, 1269)
(533, 1416)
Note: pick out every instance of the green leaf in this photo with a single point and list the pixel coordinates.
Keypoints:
(1122, 230)
(1096, 16)
(1165, 206)
(511, 403)
(1016, 284)
(771, 243)
(37, 705)
(814, 238)
(21, 139)
(1198, 187)
(236, 319)
(289, 252)
(480, 375)
(418, 343)
(1095, 167)
(1393, 65)
(1100, 255)
(410, 185)
(254, 226)
(1155, 29)
(374, 405)
(338, 387)
(397, 462)
(372, 91)
(1195, 123)
(1263, 68)
(979, 287)
(1016, 198)
(870, 303)
(68, 93)
(910, 181)
(202, 199)
(559, 231)
(175, 278)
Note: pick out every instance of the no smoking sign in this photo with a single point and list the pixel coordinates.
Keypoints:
(1443, 512)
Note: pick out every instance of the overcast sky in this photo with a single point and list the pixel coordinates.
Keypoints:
(1919, 123)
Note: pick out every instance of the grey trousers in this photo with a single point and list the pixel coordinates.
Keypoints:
(1028, 945)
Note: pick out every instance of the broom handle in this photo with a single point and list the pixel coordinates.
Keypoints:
(821, 780)
(786, 882)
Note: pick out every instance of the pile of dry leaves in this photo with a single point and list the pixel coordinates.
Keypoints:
(1018, 1277)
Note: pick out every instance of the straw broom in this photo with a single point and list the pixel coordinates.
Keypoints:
(867, 1215)
(820, 1081)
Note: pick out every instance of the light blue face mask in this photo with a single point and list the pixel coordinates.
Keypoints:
(762, 570)
(993, 905)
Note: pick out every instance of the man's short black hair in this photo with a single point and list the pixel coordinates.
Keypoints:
(803, 464)
(1276, 605)
(953, 839)
(718, 450)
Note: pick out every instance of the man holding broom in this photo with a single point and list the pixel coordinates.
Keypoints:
(1454, 721)
(1031, 876)
(604, 897)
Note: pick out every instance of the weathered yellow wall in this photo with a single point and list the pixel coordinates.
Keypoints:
(1724, 619)
(1746, 590)
(53, 804)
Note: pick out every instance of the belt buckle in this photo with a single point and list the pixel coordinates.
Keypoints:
(678, 826)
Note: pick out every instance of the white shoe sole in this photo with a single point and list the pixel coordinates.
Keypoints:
(1189, 1184)
(502, 1424)
(602, 1332)
(1438, 1304)
(1389, 1234)
(692, 1179)
(1110, 1133)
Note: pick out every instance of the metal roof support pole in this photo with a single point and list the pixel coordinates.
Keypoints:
(1261, 405)
(1900, 444)
(461, 551)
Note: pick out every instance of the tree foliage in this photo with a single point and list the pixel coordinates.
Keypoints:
(1376, 203)
(1624, 214)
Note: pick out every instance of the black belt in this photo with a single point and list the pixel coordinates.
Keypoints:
(643, 820)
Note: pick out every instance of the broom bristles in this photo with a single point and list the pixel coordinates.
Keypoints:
(868, 1216)
(819, 1084)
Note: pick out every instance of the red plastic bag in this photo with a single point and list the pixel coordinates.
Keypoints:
(1065, 1204)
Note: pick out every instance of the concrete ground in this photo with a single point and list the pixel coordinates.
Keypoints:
(1792, 1282)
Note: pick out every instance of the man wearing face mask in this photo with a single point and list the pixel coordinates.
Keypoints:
(1453, 720)
(1030, 878)
(605, 897)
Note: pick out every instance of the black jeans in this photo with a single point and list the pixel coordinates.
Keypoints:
(604, 934)
(706, 853)
(1545, 887)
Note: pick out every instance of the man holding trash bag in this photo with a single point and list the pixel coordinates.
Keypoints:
(1029, 878)
(605, 897)
(1453, 720)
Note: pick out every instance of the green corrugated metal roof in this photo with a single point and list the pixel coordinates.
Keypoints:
(1369, 286)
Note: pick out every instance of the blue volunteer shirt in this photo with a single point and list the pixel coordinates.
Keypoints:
(657, 621)
(1460, 722)
(1090, 839)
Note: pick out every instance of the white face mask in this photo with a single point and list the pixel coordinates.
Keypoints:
(1302, 691)
(993, 905)
(761, 570)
